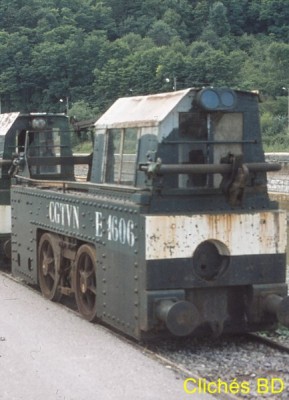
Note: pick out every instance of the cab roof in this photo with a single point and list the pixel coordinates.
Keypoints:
(136, 111)
(6, 121)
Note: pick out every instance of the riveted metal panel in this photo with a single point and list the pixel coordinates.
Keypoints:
(111, 226)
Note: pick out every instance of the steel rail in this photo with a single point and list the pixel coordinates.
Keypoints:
(268, 342)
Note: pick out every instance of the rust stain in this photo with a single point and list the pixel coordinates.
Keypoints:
(141, 111)
(248, 233)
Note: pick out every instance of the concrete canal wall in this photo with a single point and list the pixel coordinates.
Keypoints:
(278, 185)
(278, 182)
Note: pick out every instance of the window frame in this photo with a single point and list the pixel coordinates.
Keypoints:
(118, 174)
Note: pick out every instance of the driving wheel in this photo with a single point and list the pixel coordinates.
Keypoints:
(85, 282)
(49, 266)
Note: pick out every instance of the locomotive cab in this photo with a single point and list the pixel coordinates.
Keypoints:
(42, 143)
(182, 142)
(25, 139)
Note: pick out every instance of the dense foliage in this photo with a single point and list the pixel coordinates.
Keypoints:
(87, 53)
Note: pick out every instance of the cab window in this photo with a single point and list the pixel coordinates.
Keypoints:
(207, 138)
(120, 165)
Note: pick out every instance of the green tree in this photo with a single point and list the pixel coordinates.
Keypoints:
(161, 33)
(16, 83)
(254, 73)
(218, 19)
(274, 14)
(278, 67)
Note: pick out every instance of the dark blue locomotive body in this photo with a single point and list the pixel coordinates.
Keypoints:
(174, 232)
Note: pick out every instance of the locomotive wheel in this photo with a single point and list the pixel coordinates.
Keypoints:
(48, 267)
(85, 282)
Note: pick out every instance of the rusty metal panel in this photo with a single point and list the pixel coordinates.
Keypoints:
(169, 237)
(140, 110)
(6, 121)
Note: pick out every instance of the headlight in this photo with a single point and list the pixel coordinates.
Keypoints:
(212, 99)
(38, 123)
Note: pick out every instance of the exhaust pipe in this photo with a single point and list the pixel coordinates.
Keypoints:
(279, 306)
(181, 317)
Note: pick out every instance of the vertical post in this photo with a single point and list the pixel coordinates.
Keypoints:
(287, 90)
(288, 109)
(174, 82)
(67, 105)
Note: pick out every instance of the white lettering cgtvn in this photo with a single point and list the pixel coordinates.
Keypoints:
(64, 214)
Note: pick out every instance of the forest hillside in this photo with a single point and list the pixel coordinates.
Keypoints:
(80, 55)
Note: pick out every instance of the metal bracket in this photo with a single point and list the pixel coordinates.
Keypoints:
(233, 183)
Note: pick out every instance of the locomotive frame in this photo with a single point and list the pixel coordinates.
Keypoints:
(174, 232)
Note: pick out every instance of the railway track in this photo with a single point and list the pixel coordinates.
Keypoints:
(193, 383)
(249, 366)
(258, 338)
(200, 363)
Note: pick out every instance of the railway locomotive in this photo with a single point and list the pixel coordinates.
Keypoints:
(15, 129)
(173, 232)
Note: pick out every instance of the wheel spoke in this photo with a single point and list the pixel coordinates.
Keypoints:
(90, 274)
(52, 275)
(90, 301)
(49, 260)
(87, 263)
(92, 288)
